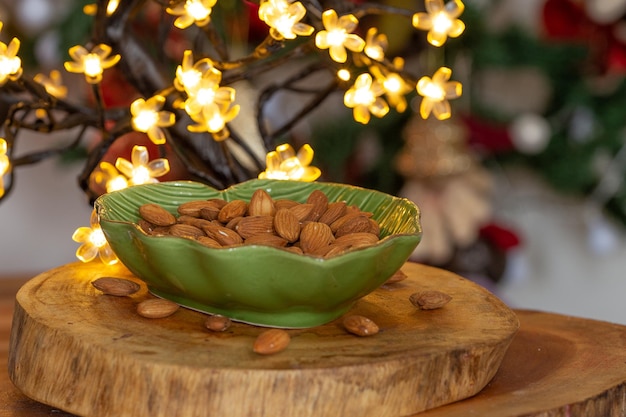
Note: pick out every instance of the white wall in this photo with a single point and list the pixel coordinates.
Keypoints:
(39, 216)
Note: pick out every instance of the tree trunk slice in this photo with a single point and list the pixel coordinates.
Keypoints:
(90, 354)
(556, 366)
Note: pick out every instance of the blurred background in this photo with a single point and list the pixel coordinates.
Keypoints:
(522, 190)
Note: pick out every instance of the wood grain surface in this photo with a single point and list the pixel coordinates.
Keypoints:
(90, 354)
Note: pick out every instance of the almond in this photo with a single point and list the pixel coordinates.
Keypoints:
(333, 212)
(192, 208)
(266, 239)
(374, 227)
(356, 224)
(217, 323)
(233, 223)
(185, 230)
(357, 239)
(429, 300)
(145, 225)
(314, 235)
(335, 249)
(210, 212)
(334, 226)
(208, 242)
(219, 202)
(360, 325)
(193, 221)
(261, 204)
(294, 249)
(320, 204)
(116, 286)
(235, 208)
(156, 308)
(156, 215)
(398, 276)
(287, 225)
(223, 235)
(352, 209)
(302, 211)
(271, 341)
(285, 203)
(253, 225)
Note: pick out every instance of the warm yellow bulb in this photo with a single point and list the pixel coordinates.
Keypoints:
(285, 164)
(433, 91)
(393, 84)
(197, 10)
(145, 120)
(97, 238)
(141, 175)
(441, 22)
(92, 65)
(119, 182)
(344, 74)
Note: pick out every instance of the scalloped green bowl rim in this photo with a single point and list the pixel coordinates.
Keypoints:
(258, 284)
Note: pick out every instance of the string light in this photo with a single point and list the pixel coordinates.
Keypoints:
(93, 63)
(93, 243)
(108, 177)
(284, 19)
(92, 9)
(436, 92)
(364, 98)
(213, 119)
(375, 44)
(150, 119)
(440, 20)
(140, 170)
(395, 86)
(211, 106)
(4, 163)
(53, 84)
(344, 74)
(285, 164)
(189, 73)
(10, 63)
(338, 36)
(192, 11)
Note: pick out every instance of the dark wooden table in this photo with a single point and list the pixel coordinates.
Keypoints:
(556, 366)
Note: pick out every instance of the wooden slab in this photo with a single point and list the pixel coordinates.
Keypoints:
(556, 366)
(92, 355)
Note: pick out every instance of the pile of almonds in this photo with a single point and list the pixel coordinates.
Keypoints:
(316, 227)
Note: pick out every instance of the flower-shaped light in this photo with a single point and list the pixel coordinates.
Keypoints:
(338, 35)
(91, 63)
(189, 73)
(436, 92)
(395, 86)
(440, 20)
(10, 64)
(285, 164)
(284, 18)
(375, 44)
(4, 164)
(53, 84)
(93, 243)
(108, 177)
(213, 119)
(208, 94)
(150, 119)
(140, 170)
(192, 11)
(364, 98)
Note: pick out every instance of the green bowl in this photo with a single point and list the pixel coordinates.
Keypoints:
(259, 285)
